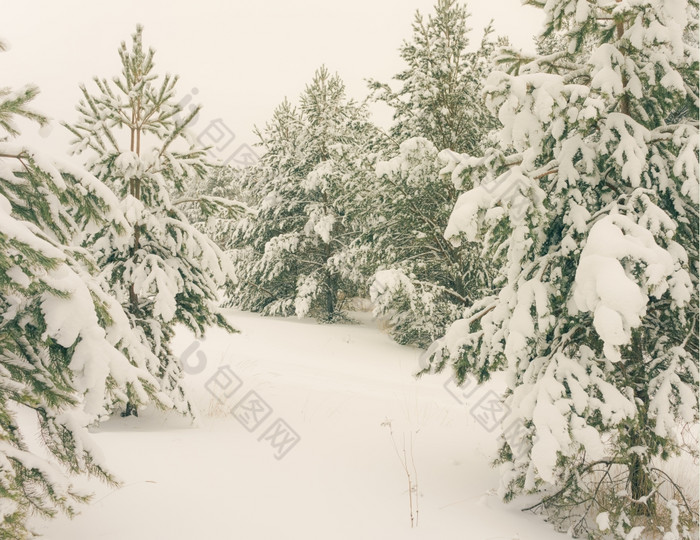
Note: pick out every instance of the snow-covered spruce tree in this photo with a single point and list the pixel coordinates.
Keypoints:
(589, 208)
(134, 137)
(67, 356)
(286, 256)
(438, 93)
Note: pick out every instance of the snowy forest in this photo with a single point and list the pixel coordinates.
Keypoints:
(497, 296)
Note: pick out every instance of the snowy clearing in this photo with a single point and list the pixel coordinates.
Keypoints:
(334, 385)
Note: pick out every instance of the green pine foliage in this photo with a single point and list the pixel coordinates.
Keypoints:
(439, 91)
(588, 206)
(419, 281)
(215, 204)
(532, 214)
(287, 255)
(134, 137)
(65, 361)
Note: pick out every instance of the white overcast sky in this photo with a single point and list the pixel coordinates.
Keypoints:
(242, 57)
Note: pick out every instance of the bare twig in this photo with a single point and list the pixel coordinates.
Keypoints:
(412, 480)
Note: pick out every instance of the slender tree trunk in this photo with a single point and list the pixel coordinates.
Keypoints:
(330, 279)
(641, 483)
(330, 297)
(134, 191)
(330, 285)
(131, 410)
(625, 100)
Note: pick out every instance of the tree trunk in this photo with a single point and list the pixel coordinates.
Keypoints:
(641, 486)
(330, 296)
(134, 191)
(131, 410)
(641, 483)
(330, 281)
(625, 100)
(330, 286)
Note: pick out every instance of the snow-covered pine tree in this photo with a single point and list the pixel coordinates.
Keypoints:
(437, 97)
(134, 137)
(589, 206)
(286, 256)
(422, 282)
(264, 287)
(419, 281)
(67, 356)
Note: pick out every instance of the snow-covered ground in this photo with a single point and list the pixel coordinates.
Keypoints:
(334, 386)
